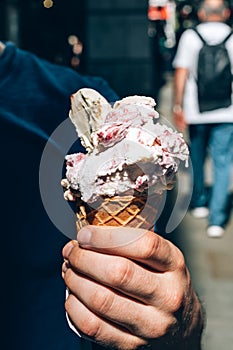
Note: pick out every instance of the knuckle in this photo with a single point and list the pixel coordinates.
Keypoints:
(167, 326)
(75, 257)
(123, 273)
(175, 299)
(160, 327)
(88, 324)
(91, 327)
(150, 246)
(101, 301)
(180, 261)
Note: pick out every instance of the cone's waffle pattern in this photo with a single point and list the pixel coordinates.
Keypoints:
(132, 211)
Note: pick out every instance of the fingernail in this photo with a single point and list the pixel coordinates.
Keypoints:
(68, 247)
(84, 236)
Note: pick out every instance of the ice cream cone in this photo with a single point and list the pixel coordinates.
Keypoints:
(131, 161)
(135, 210)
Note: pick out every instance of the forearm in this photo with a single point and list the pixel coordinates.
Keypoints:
(180, 78)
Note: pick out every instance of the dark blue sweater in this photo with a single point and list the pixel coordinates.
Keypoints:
(34, 100)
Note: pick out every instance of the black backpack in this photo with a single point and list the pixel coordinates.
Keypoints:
(214, 78)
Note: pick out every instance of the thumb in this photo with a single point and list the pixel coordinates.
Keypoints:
(108, 237)
(133, 243)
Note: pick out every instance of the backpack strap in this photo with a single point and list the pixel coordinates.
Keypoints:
(228, 36)
(197, 32)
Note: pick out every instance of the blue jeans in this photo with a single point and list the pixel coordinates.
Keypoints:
(217, 140)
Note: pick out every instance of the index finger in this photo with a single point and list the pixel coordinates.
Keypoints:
(137, 244)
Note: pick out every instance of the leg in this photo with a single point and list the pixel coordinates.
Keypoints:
(199, 135)
(221, 147)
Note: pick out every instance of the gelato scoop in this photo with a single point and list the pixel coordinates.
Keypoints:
(131, 158)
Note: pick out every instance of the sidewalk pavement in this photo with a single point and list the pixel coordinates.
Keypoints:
(210, 260)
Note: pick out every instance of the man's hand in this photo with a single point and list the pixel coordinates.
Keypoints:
(130, 296)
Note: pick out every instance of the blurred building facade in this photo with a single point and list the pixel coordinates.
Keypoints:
(117, 39)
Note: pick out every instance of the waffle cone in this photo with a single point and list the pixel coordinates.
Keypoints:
(137, 210)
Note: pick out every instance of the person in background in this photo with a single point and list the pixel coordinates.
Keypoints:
(154, 298)
(209, 130)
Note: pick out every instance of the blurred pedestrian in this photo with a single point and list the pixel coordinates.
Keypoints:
(209, 129)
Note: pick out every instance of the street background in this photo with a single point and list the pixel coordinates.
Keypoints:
(210, 260)
(133, 49)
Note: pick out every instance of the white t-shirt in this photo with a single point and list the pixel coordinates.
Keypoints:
(187, 57)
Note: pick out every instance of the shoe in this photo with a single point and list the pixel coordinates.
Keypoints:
(215, 231)
(200, 212)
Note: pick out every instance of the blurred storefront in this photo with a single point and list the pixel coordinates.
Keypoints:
(43, 26)
(129, 43)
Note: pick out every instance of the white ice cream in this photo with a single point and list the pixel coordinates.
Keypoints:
(133, 151)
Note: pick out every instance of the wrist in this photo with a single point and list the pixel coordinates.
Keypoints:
(187, 333)
(193, 324)
(177, 108)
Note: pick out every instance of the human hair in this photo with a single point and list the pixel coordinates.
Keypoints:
(216, 7)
